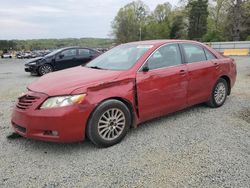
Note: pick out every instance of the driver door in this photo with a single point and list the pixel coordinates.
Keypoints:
(162, 83)
(66, 59)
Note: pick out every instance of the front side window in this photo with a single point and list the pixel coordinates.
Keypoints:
(165, 56)
(194, 53)
(94, 53)
(122, 57)
(69, 53)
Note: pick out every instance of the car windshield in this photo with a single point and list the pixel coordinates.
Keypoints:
(53, 53)
(122, 57)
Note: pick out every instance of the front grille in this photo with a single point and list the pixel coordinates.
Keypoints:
(26, 101)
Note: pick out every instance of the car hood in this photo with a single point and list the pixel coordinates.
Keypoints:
(33, 60)
(66, 81)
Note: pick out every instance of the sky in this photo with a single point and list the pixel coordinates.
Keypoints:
(35, 19)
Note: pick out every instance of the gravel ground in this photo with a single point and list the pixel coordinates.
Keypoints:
(197, 147)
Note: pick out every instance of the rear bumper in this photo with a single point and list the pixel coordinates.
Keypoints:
(67, 122)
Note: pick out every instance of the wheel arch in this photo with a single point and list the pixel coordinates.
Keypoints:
(124, 101)
(227, 78)
(129, 106)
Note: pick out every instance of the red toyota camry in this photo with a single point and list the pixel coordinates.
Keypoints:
(118, 90)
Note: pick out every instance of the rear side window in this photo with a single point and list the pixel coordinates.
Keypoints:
(194, 53)
(84, 52)
(209, 55)
(94, 53)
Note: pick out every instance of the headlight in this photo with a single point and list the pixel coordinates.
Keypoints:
(61, 101)
(32, 63)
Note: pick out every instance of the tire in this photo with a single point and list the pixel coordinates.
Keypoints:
(45, 69)
(109, 123)
(219, 94)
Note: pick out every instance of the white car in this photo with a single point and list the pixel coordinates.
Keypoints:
(6, 55)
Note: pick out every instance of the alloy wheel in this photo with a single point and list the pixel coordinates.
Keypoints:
(111, 124)
(220, 93)
(45, 69)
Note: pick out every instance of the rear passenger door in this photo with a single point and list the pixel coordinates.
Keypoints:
(202, 72)
(84, 56)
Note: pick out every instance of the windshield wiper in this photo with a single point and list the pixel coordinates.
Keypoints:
(95, 67)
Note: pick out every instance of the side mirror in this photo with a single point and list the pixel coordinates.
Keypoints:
(61, 56)
(145, 69)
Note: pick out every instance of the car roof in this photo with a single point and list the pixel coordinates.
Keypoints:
(66, 48)
(161, 41)
(157, 43)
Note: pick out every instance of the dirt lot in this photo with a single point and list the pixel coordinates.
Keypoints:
(197, 147)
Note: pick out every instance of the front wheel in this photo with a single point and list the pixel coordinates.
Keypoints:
(109, 123)
(45, 69)
(219, 94)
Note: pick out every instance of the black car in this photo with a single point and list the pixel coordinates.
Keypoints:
(61, 59)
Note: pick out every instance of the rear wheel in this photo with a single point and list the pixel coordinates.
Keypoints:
(219, 94)
(109, 123)
(45, 69)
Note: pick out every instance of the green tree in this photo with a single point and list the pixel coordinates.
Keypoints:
(246, 21)
(216, 21)
(217, 14)
(129, 22)
(197, 18)
(213, 36)
(178, 26)
(40, 44)
(158, 23)
(162, 12)
(238, 20)
(7, 45)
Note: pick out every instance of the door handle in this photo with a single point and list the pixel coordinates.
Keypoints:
(182, 72)
(216, 65)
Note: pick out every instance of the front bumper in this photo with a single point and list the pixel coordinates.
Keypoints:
(31, 69)
(68, 122)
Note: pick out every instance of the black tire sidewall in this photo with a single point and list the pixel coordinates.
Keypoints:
(221, 80)
(39, 69)
(92, 127)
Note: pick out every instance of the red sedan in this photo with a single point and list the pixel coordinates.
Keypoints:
(125, 86)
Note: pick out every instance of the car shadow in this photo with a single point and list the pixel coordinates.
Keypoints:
(87, 146)
(173, 115)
